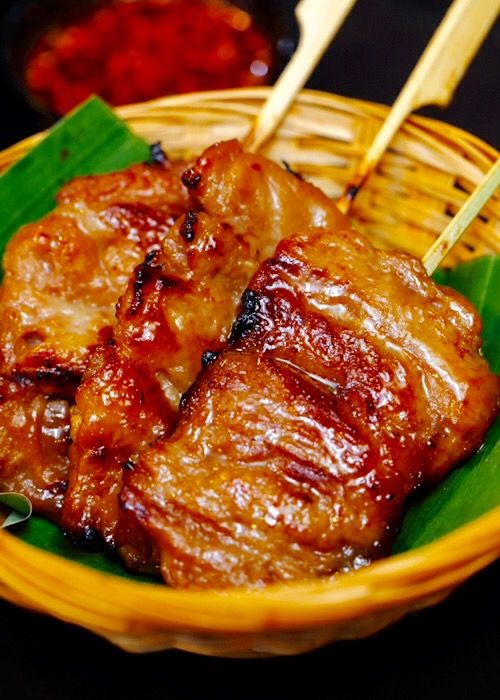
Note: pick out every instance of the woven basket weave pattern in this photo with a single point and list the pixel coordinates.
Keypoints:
(420, 183)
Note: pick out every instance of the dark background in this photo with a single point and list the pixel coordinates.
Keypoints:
(452, 650)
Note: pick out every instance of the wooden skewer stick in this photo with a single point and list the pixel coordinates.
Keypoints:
(462, 220)
(434, 78)
(319, 21)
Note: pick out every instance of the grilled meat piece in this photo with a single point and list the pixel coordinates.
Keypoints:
(178, 305)
(259, 199)
(350, 379)
(120, 401)
(64, 274)
(34, 439)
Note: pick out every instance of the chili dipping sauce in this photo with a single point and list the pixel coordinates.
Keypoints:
(134, 50)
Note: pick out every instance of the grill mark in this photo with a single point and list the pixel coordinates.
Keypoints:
(151, 256)
(59, 488)
(170, 513)
(57, 374)
(208, 357)
(248, 318)
(145, 273)
(191, 178)
(305, 473)
(188, 227)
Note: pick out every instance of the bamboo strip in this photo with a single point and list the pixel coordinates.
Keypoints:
(319, 21)
(461, 222)
(434, 78)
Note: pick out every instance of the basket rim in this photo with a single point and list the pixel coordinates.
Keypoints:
(307, 96)
(315, 98)
(401, 578)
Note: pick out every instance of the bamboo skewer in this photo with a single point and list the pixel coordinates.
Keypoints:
(434, 78)
(319, 21)
(462, 220)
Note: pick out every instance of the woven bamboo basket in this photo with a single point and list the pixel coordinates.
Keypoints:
(422, 181)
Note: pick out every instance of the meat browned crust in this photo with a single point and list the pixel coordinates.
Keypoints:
(349, 380)
(62, 278)
(179, 302)
(64, 273)
(34, 440)
(258, 198)
(179, 305)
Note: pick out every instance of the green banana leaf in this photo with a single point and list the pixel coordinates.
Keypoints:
(89, 141)
(474, 488)
(14, 509)
(93, 140)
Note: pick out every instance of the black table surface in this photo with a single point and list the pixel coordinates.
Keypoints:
(451, 650)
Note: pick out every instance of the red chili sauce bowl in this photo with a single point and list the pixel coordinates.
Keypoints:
(134, 50)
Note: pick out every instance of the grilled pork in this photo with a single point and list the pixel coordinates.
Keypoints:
(64, 273)
(350, 379)
(62, 278)
(179, 304)
(34, 441)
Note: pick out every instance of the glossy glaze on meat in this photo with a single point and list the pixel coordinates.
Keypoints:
(34, 440)
(349, 380)
(64, 274)
(62, 278)
(258, 198)
(179, 304)
(180, 301)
